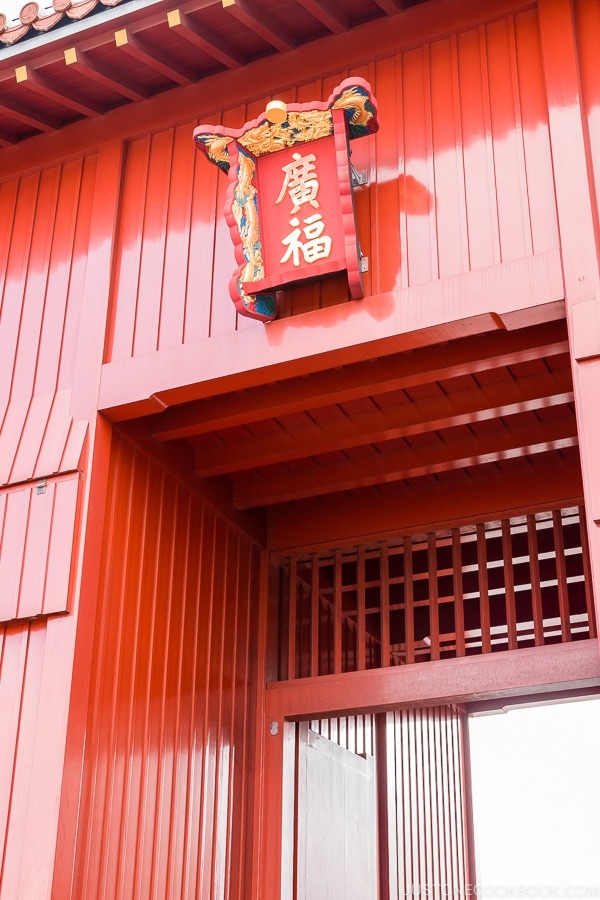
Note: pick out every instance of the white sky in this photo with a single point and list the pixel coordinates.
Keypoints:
(536, 798)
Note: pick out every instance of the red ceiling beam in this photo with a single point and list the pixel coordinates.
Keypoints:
(431, 504)
(200, 37)
(335, 22)
(80, 62)
(129, 43)
(259, 24)
(391, 7)
(36, 83)
(377, 425)
(394, 373)
(512, 673)
(431, 458)
(27, 117)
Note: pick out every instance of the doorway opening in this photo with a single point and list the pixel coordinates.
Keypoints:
(536, 799)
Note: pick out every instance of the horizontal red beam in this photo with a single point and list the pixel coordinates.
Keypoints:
(512, 673)
(395, 373)
(406, 462)
(338, 335)
(375, 425)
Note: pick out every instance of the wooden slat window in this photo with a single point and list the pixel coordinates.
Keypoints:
(481, 588)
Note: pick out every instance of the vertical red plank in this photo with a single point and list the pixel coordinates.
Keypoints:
(337, 612)
(536, 591)
(507, 130)
(52, 446)
(536, 139)
(152, 257)
(8, 204)
(457, 581)
(222, 311)
(361, 634)
(70, 337)
(449, 206)
(206, 210)
(422, 254)
(292, 618)
(434, 612)
(561, 576)
(61, 541)
(484, 597)
(587, 574)
(121, 324)
(388, 226)
(98, 280)
(34, 294)
(509, 585)
(36, 552)
(12, 669)
(14, 537)
(23, 768)
(409, 621)
(479, 173)
(315, 615)
(385, 604)
(59, 274)
(15, 269)
(177, 247)
(30, 440)
(12, 431)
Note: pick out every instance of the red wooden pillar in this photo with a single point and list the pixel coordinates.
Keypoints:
(578, 226)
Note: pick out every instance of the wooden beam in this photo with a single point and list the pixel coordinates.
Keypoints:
(334, 21)
(391, 7)
(512, 673)
(394, 373)
(431, 504)
(377, 425)
(79, 61)
(40, 85)
(258, 24)
(427, 459)
(205, 40)
(27, 117)
(148, 56)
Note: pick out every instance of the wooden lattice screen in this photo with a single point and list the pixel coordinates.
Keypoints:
(501, 585)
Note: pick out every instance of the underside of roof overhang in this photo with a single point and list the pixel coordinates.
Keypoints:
(78, 60)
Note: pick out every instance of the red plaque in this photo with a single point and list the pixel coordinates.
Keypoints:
(290, 204)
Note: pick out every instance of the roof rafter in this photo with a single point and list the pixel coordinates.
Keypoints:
(393, 373)
(204, 39)
(376, 426)
(405, 463)
(257, 24)
(129, 43)
(335, 22)
(38, 84)
(80, 61)
(42, 123)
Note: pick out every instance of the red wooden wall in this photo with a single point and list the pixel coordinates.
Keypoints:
(460, 179)
(44, 238)
(166, 800)
(489, 134)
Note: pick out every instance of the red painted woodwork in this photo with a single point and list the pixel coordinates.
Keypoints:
(422, 217)
(144, 737)
(426, 802)
(166, 772)
(38, 543)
